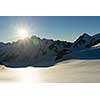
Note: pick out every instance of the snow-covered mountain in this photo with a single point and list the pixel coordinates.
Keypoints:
(86, 40)
(34, 51)
(82, 41)
(30, 51)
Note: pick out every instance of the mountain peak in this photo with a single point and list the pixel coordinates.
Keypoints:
(85, 35)
(82, 40)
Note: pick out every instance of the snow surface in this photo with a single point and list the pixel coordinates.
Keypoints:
(66, 71)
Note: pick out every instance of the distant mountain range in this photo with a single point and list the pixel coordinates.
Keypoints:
(34, 51)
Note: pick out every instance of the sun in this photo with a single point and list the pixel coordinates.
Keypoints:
(23, 33)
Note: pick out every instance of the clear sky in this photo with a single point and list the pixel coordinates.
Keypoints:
(63, 28)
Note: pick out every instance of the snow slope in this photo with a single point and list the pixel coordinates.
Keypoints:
(68, 71)
(73, 71)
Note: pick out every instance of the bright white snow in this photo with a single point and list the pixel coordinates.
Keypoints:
(66, 71)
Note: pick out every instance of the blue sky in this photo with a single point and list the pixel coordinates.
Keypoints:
(58, 27)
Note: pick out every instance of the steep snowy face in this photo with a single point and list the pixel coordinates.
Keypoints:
(60, 48)
(2, 44)
(95, 40)
(82, 41)
(86, 41)
(97, 36)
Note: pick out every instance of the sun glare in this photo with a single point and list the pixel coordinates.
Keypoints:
(28, 75)
(23, 33)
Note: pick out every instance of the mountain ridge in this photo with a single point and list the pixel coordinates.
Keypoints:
(35, 51)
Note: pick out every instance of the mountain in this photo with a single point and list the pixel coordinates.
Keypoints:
(82, 41)
(31, 51)
(85, 41)
(35, 51)
(94, 40)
